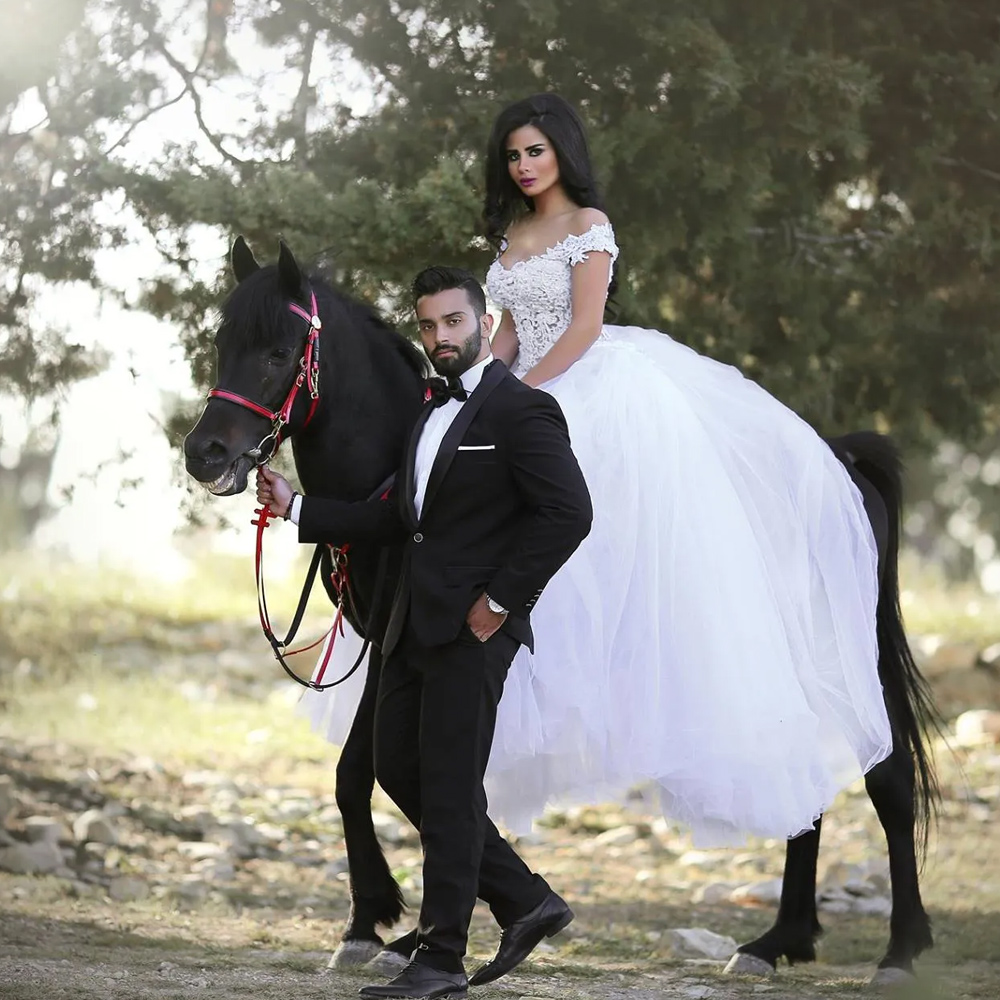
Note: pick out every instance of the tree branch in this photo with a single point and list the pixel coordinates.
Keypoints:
(949, 161)
(793, 235)
(189, 78)
(303, 99)
(127, 134)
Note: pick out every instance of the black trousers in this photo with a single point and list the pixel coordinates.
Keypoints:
(434, 722)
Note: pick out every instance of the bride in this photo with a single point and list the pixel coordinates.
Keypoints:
(714, 636)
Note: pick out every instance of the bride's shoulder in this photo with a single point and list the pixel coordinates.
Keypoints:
(589, 230)
(585, 219)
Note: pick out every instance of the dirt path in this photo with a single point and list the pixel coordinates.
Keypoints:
(223, 883)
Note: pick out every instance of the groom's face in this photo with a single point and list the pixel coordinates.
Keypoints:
(453, 336)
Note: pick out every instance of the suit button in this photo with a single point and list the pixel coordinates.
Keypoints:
(418, 537)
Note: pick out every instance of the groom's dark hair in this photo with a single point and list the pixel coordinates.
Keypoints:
(432, 280)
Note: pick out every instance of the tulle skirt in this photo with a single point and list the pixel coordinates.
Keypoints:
(714, 635)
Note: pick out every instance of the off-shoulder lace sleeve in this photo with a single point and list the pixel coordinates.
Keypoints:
(600, 236)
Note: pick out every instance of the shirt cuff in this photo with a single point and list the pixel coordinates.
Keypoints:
(296, 509)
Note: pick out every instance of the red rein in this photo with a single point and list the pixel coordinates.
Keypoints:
(308, 376)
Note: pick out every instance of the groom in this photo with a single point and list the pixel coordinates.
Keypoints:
(490, 502)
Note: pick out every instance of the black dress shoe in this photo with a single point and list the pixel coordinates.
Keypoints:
(421, 982)
(519, 939)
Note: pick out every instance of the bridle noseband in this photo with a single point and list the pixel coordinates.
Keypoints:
(308, 375)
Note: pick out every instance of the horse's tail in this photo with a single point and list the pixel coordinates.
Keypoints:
(907, 693)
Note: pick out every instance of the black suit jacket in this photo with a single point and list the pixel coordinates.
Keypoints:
(501, 517)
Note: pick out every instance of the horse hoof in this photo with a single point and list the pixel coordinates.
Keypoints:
(891, 977)
(745, 964)
(387, 963)
(352, 955)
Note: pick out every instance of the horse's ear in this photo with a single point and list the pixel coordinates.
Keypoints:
(242, 260)
(289, 271)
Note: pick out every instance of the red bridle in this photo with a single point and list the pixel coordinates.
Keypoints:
(308, 375)
(340, 577)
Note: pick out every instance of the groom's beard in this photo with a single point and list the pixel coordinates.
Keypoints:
(463, 358)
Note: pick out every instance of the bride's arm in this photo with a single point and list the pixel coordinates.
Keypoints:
(505, 343)
(590, 293)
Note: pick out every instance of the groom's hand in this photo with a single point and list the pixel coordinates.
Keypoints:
(274, 490)
(481, 620)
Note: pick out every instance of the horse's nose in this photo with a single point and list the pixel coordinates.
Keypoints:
(204, 450)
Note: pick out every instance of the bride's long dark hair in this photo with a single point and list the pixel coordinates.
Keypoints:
(559, 122)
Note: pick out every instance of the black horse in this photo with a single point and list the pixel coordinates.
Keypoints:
(369, 392)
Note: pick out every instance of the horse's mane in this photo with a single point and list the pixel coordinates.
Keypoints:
(368, 319)
(255, 307)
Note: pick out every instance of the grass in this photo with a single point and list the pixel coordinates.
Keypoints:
(111, 667)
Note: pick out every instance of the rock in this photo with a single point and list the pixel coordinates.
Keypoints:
(243, 839)
(338, 867)
(207, 779)
(835, 905)
(141, 765)
(698, 859)
(127, 889)
(696, 942)
(189, 895)
(8, 798)
(698, 992)
(219, 869)
(6, 840)
(45, 828)
(294, 809)
(93, 827)
(617, 836)
(989, 658)
(713, 893)
(31, 859)
(977, 727)
(199, 850)
(877, 906)
(758, 893)
(744, 964)
(839, 873)
(84, 890)
(330, 816)
(196, 818)
(388, 828)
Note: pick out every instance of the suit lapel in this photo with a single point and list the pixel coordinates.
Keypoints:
(492, 377)
(410, 462)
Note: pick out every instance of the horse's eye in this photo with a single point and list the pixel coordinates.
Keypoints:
(281, 354)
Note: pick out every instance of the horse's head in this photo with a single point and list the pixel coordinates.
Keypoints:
(261, 345)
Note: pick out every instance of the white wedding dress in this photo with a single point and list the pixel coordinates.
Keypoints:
(714, 636)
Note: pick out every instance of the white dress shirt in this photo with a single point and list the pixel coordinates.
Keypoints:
(434, 430)
(431, 436)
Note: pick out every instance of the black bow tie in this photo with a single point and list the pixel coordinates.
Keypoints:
(440, 390)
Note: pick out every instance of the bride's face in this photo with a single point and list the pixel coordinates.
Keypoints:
(531, 161)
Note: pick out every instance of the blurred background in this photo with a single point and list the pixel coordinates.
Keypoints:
(808, 190)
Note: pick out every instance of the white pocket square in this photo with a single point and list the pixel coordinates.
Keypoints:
(477, 447)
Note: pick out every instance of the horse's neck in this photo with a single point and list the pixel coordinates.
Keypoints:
(367, 406)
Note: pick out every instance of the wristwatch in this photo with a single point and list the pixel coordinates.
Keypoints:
(497, 609)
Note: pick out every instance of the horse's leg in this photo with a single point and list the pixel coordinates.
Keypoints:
(797, 926)
(375, 895)
(890, 786)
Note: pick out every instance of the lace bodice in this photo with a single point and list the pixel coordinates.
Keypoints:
(538, 290)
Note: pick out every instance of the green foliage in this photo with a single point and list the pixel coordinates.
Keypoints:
(807, 190)
(67, 82)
